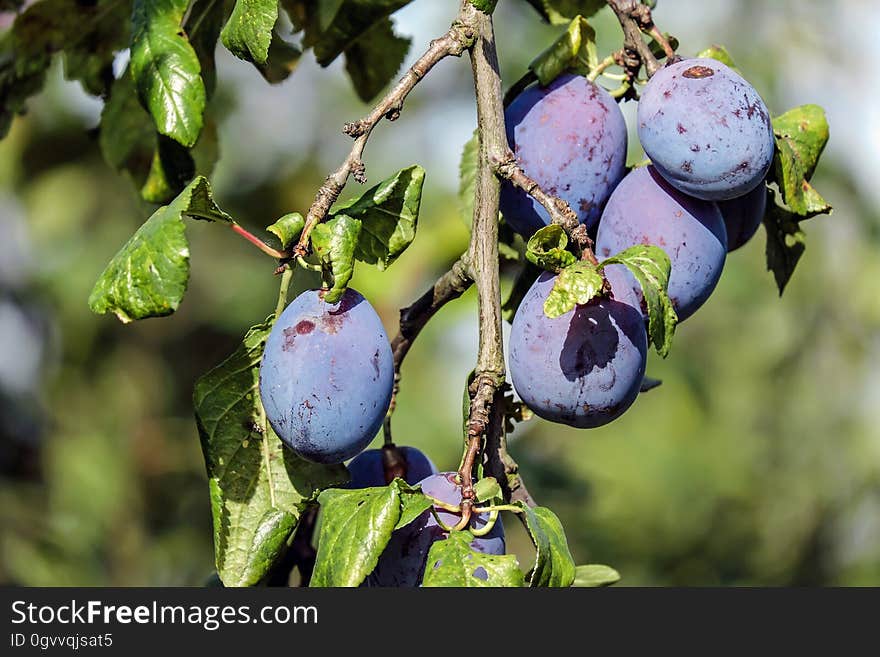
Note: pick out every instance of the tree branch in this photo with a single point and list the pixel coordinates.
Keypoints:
(456, 40)
(635, 17)
(486, 392)
(413, 318)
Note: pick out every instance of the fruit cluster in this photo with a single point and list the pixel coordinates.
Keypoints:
(327, 372)
(710, 142)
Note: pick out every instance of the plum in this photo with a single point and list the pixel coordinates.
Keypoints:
(402, 563)
(326, 376)
(743, 215)
(584, 368)
(367, 469)
(571, 138)
(645, 209)
(706, 129)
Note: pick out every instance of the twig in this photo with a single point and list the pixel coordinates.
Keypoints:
(456, 40)
(413, 318)
(635, 17)
(504, 164)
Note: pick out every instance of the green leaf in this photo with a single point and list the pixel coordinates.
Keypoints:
(288, 228)
(467, 177)
(651, 266)
(801, 135)
(355, 528)
(546, 249)
(149, 275)
(248, 32)
(389, 213)
(88, 36)
(166, 69)
(575, 285)
(786, 242)
(412, 503)
(593, 575)
(256, 484)
(486, 489)
(335, 242)
(452, 562)
(718, 53)
(374, 59)
(351, 19)
(171, 169)
(127, 135)
(559, 12)
(563, 53)
(554, 565)
(486, 6)
(283, 60)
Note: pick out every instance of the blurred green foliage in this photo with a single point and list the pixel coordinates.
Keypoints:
(757, 462)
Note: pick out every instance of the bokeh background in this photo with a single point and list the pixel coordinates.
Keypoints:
(756, 463)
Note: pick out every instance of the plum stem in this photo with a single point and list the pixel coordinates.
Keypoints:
(453, 43)
(286, 277)
(257, 242)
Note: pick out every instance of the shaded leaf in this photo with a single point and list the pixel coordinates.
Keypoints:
(594, 575)
(282, 61)
(288, 228)
(578, 41)
(554, 565)
(256, 484)
(166, 69)
(575, 285)
(651, 266)
(546, 249)
(248, 32)
(486, 6)
(649, 384)
(149, 275)
(718, 53)
(351, 19)
(559, 12)
(335, 242)
(786, 242)
(374, 59)
(801, 135)
(452, 562)
(389, 213)
(88, 35)
(171, 169)
(202, 26)
(467, 177)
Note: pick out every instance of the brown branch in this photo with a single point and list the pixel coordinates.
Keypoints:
(456, 40)
(505, 165)
(489, 373)
(413, 318)
(635, 17)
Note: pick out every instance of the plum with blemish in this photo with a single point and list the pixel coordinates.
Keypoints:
(706, 129)
(367, 468)
(570, 137)
(404, 559)
(585, 367)
(645, 209)
(326, 376)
